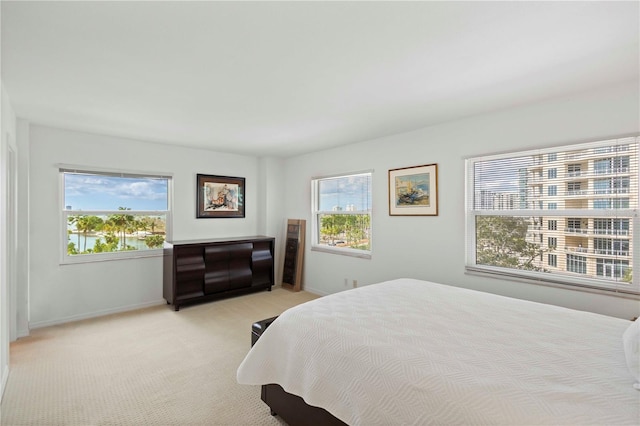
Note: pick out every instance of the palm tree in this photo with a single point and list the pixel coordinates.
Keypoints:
(121, 223)
(154, 241)
(332, 225)
(81, 227)
(86, 224)
(73, 220)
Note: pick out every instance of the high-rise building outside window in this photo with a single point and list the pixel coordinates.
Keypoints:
(590, 210)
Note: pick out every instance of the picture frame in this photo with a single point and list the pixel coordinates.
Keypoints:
(413, 191)
(220, 197)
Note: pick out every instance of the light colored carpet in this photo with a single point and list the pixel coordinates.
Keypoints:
(148, 367)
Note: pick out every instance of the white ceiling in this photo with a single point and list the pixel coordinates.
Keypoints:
(284, 78)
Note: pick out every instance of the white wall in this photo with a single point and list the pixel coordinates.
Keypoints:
(8, 221)
(21, 313)
(60, 293)
(423, 247)
(432, 248)
(271, 214)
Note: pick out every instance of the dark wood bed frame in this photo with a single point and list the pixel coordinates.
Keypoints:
(293, 410)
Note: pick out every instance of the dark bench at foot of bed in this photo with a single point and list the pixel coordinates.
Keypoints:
(291, 408)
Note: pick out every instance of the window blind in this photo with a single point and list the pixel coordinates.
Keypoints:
(564, 215)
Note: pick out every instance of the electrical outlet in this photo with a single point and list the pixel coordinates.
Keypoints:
(355, 283)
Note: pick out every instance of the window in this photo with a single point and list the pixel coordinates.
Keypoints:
(611, 268)
(611, 226)
(112, 215)
(612, 165)
(611, 203)
(611, 246)
(574, 170)
(577, 264)
(552, 173)
(592, 222)
(575, 225)
(616, 185)
(342, 214)
(573, 188)
(601, 186)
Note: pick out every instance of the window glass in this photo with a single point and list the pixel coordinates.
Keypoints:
(591, 214)
(342, 214)
(577, 264)
(84, 191)
(574, 170)
(113, 215)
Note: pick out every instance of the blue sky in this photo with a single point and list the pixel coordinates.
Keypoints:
(96, 192)
(500, 175)
(344, 191)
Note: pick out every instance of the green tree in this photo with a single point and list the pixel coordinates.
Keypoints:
(152, 225)
(73, 221)
(112, 241)
(145, 223)
(71, 248)
(121, 224)
(331, 226)
(99, 246)
(356, 231)
(352, 227)
(86, 224)
(153, 241)
(628, 275)
(501, 241)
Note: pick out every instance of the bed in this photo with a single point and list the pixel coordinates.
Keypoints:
(414, 352)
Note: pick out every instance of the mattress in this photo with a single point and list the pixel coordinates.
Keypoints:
(414, 352)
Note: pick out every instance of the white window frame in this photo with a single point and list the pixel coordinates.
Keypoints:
(631, 290)
(316, 213)
(66, 259)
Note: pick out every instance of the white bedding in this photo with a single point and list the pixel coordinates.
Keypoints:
(415, 352)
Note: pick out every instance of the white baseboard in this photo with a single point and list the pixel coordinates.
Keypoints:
(41, 324)
(315, 291)
(5, 378)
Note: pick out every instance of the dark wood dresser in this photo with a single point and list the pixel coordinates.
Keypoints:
(202, 270)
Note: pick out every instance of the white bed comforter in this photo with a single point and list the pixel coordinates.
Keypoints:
(415, 352)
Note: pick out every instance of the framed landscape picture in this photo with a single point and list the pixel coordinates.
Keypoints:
(413, 191)
(220, 196)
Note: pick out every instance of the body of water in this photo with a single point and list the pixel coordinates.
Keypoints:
(91, 239)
